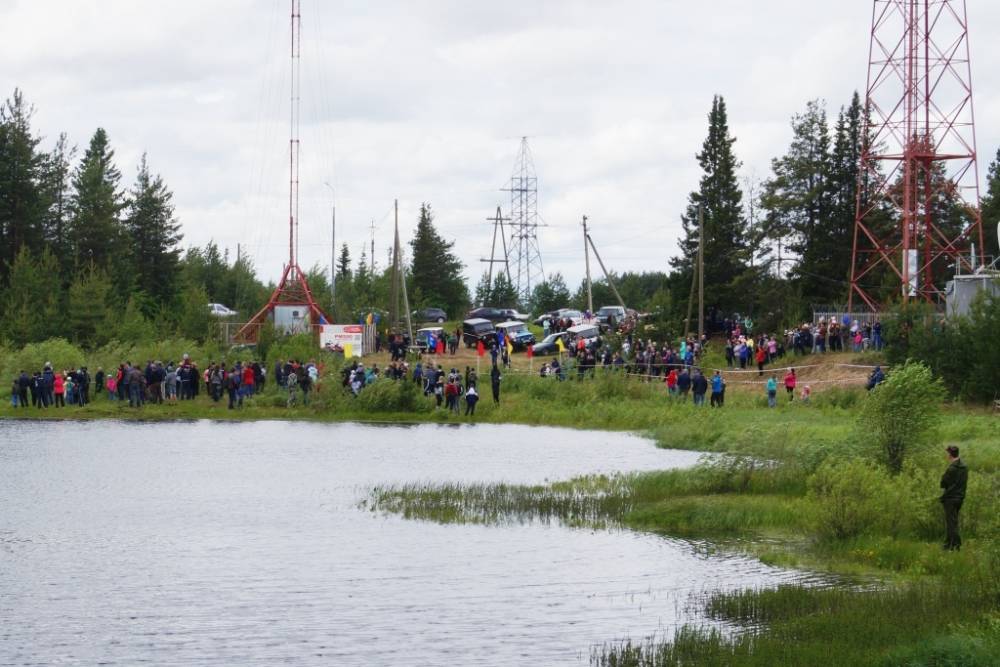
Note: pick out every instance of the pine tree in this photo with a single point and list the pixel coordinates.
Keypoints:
(797, 198)
(831, 252)
(503, 293)
(20, 177)
(726, 245)
(436, 270)
(153, 235)
(194, 320)
(344, 263)
(484, 290)
(991, 209)
(550, 294)
(56, 195)
(88, 312)
(131, 326)
(32, 306)
(96, 204)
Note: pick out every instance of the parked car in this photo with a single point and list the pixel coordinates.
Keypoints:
(513, 314)
(518, 334)
(477, 329)
(575, 316)
(430, 315)
(424, 335)
(548, 345)
(607, 312)
(487, 313)
(218, 310)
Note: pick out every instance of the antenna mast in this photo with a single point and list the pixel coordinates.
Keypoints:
(293, 142)
(292, 306)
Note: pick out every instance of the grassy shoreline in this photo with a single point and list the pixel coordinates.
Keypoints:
(769, 510)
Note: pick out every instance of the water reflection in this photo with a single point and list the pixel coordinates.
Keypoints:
(209, 543)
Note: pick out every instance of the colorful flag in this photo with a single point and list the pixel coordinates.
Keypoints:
(510, 348)
(348, 350)
(530, 351)
(480, 348)
(559, 345)
(431, 342)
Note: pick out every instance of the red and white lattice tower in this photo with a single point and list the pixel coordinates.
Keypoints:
(918, 191)
(291, 305)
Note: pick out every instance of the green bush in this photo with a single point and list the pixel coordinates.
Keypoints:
(900, 414)
(846, 498)
(32, 357)
(387, 395)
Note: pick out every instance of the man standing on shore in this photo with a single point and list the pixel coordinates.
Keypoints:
(953, 482)
(495, 384)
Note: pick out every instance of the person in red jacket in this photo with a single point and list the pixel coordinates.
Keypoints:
(672, 382)
(246, 384)
(761, 359)
(790, 381)
(59, 389)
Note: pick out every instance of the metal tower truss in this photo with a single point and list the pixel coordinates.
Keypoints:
(917, 214)
(524, 257)
(292, 306)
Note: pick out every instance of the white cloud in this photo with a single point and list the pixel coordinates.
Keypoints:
(427, 101)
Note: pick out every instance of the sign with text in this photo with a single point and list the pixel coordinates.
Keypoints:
(342, 338)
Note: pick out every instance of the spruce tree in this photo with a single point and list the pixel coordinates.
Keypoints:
(797, 198)
(88, 310)
(56, 196)
(990, 208)
(96, 204)
(32, 305)
(153, 235)
(726, 244)
(550, 294)
(436, 270)
(20, 177)
(344, 263)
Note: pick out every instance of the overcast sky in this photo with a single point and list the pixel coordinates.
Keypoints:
(427, 101)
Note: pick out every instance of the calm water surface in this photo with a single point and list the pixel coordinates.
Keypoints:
(206, 543)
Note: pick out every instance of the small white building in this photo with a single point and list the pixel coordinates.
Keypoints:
(962, 290)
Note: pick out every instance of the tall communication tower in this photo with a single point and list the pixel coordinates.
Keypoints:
(524, 257)
(918, 186)
(291, 306)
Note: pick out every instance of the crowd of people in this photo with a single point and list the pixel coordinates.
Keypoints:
(157, 382)
(448, 389)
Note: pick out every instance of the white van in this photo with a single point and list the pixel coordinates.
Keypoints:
(587, 332)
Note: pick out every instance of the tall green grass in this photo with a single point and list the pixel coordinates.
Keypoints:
(797, 625)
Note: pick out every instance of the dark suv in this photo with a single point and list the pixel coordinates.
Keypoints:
(487, 313)
(478, 329)
(430, 315)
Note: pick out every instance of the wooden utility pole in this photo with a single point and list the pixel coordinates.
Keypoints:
(586, 260)
(373, 248)
(701, 273)
(607, 276)
(401, 274)
(333, 254)
(394, 287)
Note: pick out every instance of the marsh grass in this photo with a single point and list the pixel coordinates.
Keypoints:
(800, 625)
(592, 501)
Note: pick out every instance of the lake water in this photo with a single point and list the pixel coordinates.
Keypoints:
(208, 543)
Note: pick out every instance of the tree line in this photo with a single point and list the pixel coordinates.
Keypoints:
(90, 258)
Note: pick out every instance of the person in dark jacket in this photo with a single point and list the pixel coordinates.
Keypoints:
(495, 383)
(23, 384)
(699, 385)
(684, 383)
(953, 483)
